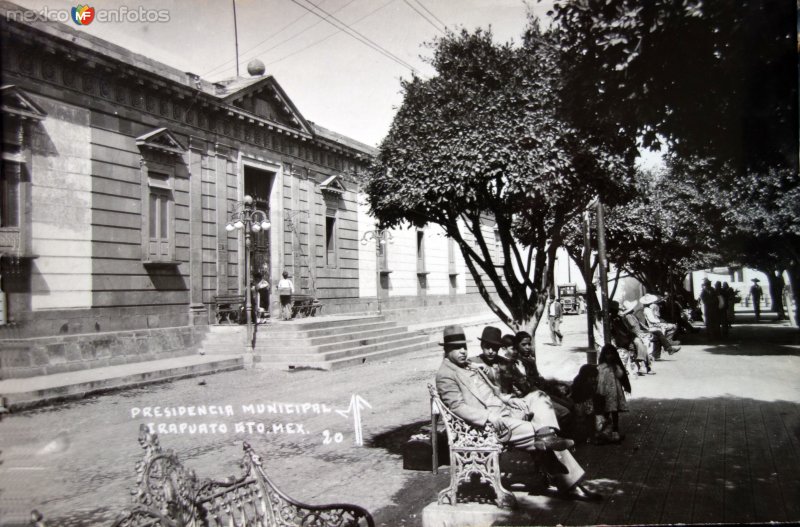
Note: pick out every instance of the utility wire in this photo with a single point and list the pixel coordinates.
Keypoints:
(421, 14)
(225, 64)
(356, 35)
(329, 36)
(430, 13)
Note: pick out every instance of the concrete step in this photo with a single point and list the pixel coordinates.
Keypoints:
(314, 323)
(330, 336)
(348, 352)
(354, 340)
(30, 392)
(224, 340)
(347, 327)
(291, 362)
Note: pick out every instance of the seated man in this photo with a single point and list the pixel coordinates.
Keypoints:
(498, 369)
(656, 332)
(652, 313)
(529, 423)
(627, 340)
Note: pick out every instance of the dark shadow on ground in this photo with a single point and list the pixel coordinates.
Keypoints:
(704, 460)
(750, 339)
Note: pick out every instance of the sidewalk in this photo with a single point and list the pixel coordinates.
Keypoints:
(29, 392)
(714, 436)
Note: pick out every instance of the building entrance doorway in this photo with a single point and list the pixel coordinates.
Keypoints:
(258, 185)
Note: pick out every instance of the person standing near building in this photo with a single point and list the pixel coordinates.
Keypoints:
(710, 309)
(285, 292)
(755, 294)
(262, 296)
(555, 314)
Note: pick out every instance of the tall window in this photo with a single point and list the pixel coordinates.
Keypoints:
(160, 218)
(330, 240)
(9, 194)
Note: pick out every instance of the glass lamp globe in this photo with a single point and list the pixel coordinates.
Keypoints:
(256, 227)
(229, 227)
(265, 225)
(238, 224)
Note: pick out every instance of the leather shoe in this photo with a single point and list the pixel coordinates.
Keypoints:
(674, 349)
(579, 492)
(552, 442)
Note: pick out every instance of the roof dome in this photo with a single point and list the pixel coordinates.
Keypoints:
(256, 68)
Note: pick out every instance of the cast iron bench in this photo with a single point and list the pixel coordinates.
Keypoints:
(472, 451)
(170, 495)
(305, 306)
(228, 308)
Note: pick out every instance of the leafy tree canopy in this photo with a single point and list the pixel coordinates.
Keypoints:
(485, 140)
(718, 79)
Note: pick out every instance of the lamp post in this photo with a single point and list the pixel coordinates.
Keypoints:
(596, 205)
(381, 237)
(250, 220)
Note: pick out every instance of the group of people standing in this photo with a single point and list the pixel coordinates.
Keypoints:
(260, 297)
(718, 306)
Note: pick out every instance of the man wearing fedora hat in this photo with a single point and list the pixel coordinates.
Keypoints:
(497, 368)
(756, 293)
(527, 423)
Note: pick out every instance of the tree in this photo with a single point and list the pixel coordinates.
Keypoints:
(761, 227)
(659, 233)
(483, 141)
(717, 81)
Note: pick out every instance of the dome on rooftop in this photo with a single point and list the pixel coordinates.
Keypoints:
(256, 68)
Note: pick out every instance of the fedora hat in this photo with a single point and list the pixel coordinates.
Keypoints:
(492, 336)
(453, 335)
(648, 299)
(756, 280)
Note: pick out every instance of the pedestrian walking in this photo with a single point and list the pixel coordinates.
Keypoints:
(285, 292)
(755, 294)
(710, 309)
(722, 309)
(555, 314)
(612, 384)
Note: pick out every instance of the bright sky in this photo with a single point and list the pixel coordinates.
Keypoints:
(335, 80)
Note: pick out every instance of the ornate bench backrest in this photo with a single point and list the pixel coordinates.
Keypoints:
(170, 495)
(461, 434)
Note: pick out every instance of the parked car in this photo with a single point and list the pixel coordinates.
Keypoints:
(568, 294)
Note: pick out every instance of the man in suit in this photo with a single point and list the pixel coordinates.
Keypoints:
(527, 423)
(498, 369)
(756, 293)
(555, 313)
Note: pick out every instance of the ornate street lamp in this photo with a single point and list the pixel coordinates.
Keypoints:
(381, 237)
(250, 220)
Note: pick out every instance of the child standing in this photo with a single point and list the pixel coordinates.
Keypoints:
(612, 383)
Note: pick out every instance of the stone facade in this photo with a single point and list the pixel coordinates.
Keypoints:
(120, 175)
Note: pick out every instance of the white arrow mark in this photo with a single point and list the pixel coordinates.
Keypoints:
(357, 403)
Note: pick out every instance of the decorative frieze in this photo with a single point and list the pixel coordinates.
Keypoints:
(112, 82)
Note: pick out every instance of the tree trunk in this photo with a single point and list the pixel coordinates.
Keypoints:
(794, 282)
(776, 285)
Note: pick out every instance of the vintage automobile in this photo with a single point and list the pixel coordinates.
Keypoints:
(568, 294)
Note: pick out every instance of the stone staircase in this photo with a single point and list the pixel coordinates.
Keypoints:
(225, 340)
(325, 343)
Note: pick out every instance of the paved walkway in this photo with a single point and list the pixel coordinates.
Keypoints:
(714, 436)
